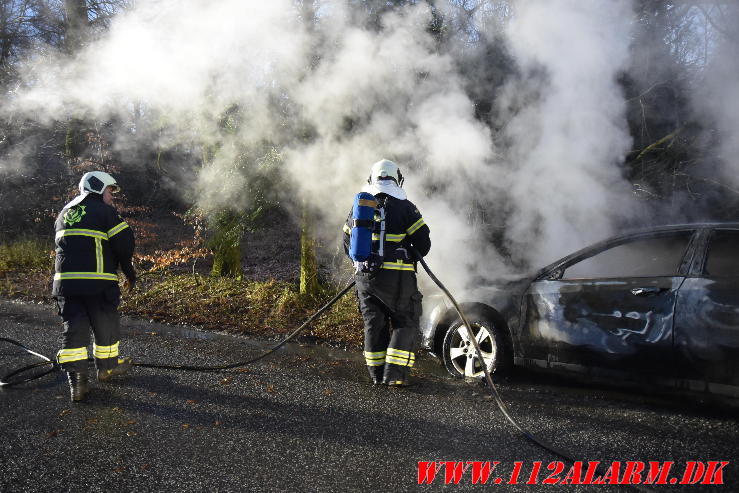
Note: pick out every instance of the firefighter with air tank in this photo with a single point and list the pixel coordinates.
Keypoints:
(383, 234)
(92, 242)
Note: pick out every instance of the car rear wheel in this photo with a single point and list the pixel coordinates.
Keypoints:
(459, 355)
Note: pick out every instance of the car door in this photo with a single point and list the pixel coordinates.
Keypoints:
(707, 316)
(611, 308)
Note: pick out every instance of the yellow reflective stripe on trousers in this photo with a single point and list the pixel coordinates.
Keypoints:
(82, 232)
(399, 362)
(69, 355)
(102, 352)
(117, 229)
(98, 256)
(388, 237)
(398, 352)
(376, 358)
(347, 229)
(400, 357)
(415, 226)
(61, 276)
(398, 266)
(376, 354)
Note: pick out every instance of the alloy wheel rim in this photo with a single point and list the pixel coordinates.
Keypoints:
(463, 355)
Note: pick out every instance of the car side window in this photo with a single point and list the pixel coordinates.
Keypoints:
(645, 257)
(723, 254)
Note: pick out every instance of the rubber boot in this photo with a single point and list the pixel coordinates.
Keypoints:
(395, 376)
(124, 364)
(77, 385)
(376, 374)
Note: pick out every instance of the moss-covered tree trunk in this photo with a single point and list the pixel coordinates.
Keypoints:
(226, 245)
(308, 262)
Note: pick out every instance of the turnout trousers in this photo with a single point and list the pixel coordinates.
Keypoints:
(391, 310)
(79, 314)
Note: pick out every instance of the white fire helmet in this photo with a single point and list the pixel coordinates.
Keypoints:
(386, 177)
(96, 181)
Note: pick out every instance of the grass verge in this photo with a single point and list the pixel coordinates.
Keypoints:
(269, 308)
(26, 269)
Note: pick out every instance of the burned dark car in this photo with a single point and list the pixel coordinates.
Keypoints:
(658, 305)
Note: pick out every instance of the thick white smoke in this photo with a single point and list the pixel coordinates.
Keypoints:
(367, 94)
(407, 103)
(568, 133)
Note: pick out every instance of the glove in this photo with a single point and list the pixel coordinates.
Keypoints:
(413, 254)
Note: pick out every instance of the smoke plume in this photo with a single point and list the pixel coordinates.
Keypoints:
(335, 93)
(568, 132)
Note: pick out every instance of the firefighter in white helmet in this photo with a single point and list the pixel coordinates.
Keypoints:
(92, 242)
(388, 295)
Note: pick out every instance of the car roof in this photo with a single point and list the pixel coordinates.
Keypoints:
(679, 226)
(639, 232)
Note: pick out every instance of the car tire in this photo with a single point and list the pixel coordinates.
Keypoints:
(458, 352)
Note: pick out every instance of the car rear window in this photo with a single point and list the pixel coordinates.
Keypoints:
(645, 257)
(723, 254)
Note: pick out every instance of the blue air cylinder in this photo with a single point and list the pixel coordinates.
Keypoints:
(363, 222)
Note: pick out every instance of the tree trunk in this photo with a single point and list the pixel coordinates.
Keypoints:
(308, 262)
(77, 25)
(226, 245)
(309, 284)
(5, 41)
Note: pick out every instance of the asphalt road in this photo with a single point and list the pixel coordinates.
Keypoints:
(307, 420)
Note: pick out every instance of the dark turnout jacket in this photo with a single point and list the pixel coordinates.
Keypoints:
(92, 242)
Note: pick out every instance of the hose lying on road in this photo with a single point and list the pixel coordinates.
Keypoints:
(6, 381)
